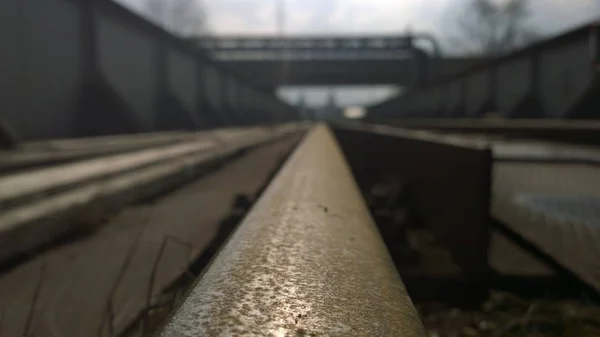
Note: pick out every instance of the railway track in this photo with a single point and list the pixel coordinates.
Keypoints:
(40, 205)
(126, 222)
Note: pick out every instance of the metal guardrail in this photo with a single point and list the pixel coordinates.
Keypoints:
(307, 261)
(118, 73)
(246, 43)
(336, 44)
(556, 78)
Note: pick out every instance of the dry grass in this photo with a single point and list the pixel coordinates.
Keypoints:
(505, 315)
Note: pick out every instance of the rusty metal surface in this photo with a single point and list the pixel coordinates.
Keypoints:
(307, 261)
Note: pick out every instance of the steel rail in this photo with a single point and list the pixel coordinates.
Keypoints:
(20, 186)
(308, 260)
(28, 226)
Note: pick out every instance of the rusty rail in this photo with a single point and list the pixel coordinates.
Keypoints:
(308, 260)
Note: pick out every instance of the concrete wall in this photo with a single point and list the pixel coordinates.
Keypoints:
(40, 67)
(68, 66)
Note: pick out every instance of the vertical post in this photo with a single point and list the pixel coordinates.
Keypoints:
(440, 101)
(89, 40)
(492, 90)
(90, 78)
(162, 73)
(595, 46)
(534, 74)
(213, 81)
(464, 91)
(240, 104)
(534, 106)
(231, 94)
(205, 116)
(223, 88)
(422, 74)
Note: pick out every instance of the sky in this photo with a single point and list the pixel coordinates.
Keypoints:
(345, 17)
(370, 16)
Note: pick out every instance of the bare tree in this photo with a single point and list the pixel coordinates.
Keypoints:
(494, 27)
(182, 17)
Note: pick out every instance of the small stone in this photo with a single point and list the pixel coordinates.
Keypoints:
(469, 331)
(487, 325)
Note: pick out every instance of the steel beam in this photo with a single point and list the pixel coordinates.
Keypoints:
(449, 179)
(307, 261)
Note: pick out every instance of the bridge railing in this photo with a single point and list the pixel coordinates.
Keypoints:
(271, 61)
(276, 43)
(554, 78)
(82, 68)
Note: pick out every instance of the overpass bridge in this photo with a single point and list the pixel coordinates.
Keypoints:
(270, 61)
(556, 78)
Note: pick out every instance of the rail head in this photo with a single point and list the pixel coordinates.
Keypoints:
(307, 261)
